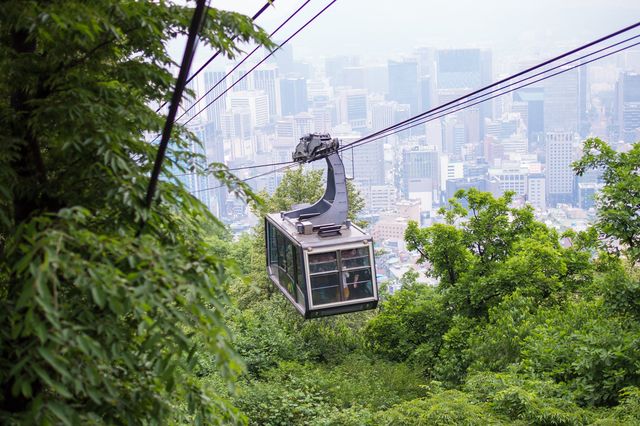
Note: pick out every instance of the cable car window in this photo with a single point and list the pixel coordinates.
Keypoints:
(325, 288)
(323, 262)
(355, 258)
(300, 293)
(273, 246)
(357, 284)
(290, 266)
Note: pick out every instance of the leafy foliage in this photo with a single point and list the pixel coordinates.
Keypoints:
(520, 330)
(96, 325)
(619, 200)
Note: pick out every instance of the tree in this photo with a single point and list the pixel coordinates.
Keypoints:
(98, 325)
(619, 200)
(298, 187)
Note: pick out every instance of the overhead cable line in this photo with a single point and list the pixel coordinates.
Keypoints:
(233, 169)
(246, 179)
(237, 66)
(404, 125)
(443, 114)
(261, 61)
(215, 55)
(195, 27)
(441, 111)
(507, 79)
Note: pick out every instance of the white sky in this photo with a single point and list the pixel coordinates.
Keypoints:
(381, 29)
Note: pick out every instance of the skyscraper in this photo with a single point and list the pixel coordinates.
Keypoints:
(293, 95)
(284, 58)
(368, 164)
(420, 172)
(559, 176)
(403, 83)
(255, 101)
(533, 99)
(459, 71)
(382, 115)
(266, 79)
(628, 106)
(214, 147)
(211, 78)
(352, 107)
(562, 102)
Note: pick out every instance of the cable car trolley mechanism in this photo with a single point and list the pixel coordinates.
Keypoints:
(322, 263)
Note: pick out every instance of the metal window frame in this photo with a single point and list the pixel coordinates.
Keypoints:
(303, 309)
(337, 249)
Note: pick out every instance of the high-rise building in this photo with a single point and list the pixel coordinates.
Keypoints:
(284, 58)
(239, 81)
(214, 147)
(293, 95)
(197, 183)
(562, 102)
(266, 79)
(354, 77)
(322, 119)
(215, 79)
(292, 128)
(463, 68)
(403, 83)
(420, 172)
(459, 71)
(382, 115)
(533, 100)
(536, 191)
(353, 107)
(377, 79)
(509, 179)
(560, 179)
(255, 101)
(368, 164)
(236, 123)
(628, 106)
(425, 85)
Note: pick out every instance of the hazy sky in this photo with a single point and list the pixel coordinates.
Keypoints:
(379, 29)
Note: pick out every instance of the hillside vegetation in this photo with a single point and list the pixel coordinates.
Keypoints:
(525, 327)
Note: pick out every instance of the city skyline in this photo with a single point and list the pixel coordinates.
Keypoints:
(379, 30)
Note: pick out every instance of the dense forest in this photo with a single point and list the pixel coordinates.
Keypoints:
(102, 324)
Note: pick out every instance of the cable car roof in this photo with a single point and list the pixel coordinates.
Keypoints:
(349, 235)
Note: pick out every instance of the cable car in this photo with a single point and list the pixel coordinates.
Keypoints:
(319, 260)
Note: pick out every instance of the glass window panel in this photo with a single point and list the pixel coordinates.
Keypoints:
(357, 284)
(280, 242)
(301, 284)
(273, 244)
(355, 258)
(325, 288)
(356, 252)
(323, 262)
(300, 296)
(289, 257)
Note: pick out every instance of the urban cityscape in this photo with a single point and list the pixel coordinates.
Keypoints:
(524, 141)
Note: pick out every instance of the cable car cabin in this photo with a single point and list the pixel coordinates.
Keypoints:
(321, 262)
(319, 275)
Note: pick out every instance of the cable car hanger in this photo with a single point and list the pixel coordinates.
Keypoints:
(329, 213)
